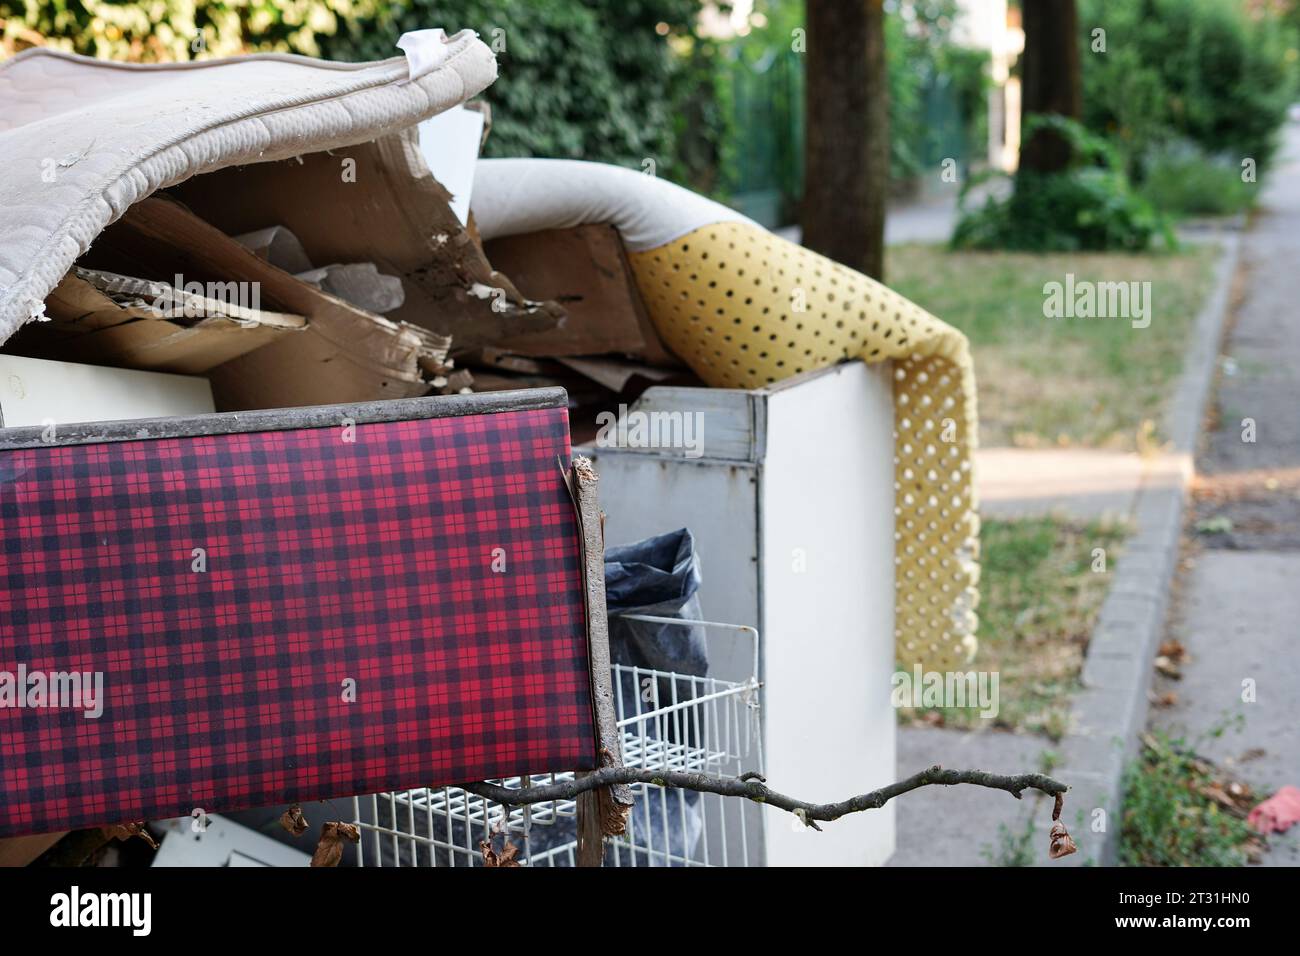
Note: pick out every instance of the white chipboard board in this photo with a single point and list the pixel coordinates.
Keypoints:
(37, 392)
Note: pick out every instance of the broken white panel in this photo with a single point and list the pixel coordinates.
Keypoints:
(38, 392)
(222, 842)
(425, 50)
(450, 144)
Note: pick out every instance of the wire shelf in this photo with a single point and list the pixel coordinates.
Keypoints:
(668, 721)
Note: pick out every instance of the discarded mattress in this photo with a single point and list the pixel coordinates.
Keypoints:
(81, 140)
(745, 308)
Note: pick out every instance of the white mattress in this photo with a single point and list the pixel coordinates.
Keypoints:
(82, 139)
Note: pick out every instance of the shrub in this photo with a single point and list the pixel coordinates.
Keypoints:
(170, 30)
(1088, 206)
(592, 80)
(1205, 71)
(1184, 181)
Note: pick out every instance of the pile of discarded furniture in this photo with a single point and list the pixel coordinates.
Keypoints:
(214, 238)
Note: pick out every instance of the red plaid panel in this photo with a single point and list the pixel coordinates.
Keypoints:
(282, 616)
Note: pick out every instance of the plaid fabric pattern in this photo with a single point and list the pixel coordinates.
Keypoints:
(434, 562)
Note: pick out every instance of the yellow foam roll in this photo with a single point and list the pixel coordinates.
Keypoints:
(745, 308)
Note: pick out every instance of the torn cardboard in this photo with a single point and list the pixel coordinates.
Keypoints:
(617, 376)
(101, 318)
(344, 355)
(378, 203)
(586, 270)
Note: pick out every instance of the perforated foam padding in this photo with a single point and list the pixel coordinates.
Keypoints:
(745, 308)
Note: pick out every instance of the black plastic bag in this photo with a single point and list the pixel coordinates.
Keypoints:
(659, 576)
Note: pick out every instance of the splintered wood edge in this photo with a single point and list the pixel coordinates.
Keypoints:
(612, 804)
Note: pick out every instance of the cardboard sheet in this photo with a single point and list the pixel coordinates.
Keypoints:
(586, 270)
(378, 203)
(344, 354)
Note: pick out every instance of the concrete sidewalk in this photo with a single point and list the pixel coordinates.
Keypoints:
(938, 827)
(1237, 611)
(1082, 483)
(929, 220)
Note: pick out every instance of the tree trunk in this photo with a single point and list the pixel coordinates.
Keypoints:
(1050, 82)
(846, 138)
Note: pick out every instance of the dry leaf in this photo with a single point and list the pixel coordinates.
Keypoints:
(293, 820)
(1062, 844)
(1214, 792)
(124, 831)
(505, 858)
(1168, 668)
(1167, 699)
(329, 851)
(1173, 649)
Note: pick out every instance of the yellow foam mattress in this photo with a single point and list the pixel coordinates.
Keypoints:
(745, 308)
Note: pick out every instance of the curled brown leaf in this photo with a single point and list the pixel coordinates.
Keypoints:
(1062, 844)
(125, 831)
(505, 858)
(329, 851)
(293, 820)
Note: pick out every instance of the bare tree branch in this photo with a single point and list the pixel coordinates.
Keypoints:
(753, 787)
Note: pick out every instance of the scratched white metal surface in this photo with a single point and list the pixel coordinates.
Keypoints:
(807, 463)
(827, 507)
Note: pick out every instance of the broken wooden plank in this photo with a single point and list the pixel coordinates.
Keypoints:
(603, 812)
(101, 318)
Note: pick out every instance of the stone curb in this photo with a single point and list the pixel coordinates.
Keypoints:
(1110, 712)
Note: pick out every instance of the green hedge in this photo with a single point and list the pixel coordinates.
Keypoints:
(1201, 71)
(167, 30)
(595, 80)
(619, 81)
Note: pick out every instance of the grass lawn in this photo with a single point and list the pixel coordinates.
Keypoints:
(1039, 600)
(1060, 381)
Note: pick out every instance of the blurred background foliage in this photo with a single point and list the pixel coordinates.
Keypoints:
(169, 30)
(1185, 89)
(1182, 77)
(621, 81)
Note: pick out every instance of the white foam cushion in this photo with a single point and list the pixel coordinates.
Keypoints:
(515, 196)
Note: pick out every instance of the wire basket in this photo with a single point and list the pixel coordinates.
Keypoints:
(668, 721)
